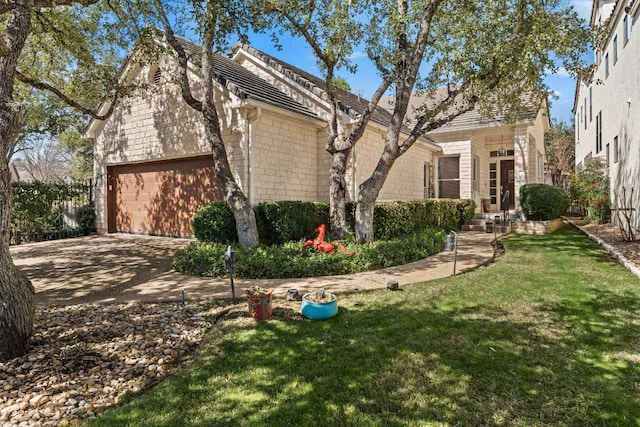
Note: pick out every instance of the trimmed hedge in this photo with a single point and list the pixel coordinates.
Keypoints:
(287, 221)
(543, 202)
(214, 222)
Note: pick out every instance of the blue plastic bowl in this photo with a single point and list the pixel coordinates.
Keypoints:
(319, 310)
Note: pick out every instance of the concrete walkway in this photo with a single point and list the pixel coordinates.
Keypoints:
(126, 268)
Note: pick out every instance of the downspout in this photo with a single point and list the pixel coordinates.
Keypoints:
(249, 122)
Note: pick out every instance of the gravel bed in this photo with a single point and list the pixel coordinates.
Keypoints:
(85, 358)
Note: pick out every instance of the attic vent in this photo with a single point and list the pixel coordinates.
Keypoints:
(156, 77)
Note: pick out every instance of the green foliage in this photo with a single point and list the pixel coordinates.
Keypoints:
(289, 260)
(286, 221)
(215, 222)
(590, 189)
(542, 202)
(291, 221)
(560, 149)
(38, 206)
(86, 219)
(398, 218)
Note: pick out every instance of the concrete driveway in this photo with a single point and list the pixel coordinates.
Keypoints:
(120, 268)
(97, 268)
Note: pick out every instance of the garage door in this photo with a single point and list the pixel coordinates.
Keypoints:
(159, 198)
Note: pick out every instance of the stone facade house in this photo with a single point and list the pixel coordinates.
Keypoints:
(154, 170)
(484, 157)
(607, 101)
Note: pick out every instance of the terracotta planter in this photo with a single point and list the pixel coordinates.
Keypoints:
(319, 310)
(260, 305)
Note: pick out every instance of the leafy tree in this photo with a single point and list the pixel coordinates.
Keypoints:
(216, 20)
(559, 143)
(590, 188)
(70, 50)
(479, 54)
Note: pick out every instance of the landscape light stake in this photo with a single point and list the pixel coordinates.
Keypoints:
(452, 245)
(229, 260)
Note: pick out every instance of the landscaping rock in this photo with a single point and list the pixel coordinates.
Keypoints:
(85, 358)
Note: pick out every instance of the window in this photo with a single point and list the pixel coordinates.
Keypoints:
(625, 30)
(493, 183)
(599, 132)
(540, 169)
(585, 113)
(615, 149)
(426, 179)
(476, 178)
(606, 65)
(591, 104)
(615, 49)
(606, 153)
(449, 177)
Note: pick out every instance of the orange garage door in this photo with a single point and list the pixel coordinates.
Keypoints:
(159, 198)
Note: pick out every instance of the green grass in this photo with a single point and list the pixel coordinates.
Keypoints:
(548, 336)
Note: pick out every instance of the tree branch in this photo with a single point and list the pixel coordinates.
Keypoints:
(183, 60)
(67, 100)
(41, 4)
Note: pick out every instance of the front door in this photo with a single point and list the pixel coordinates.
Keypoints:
(507, 183)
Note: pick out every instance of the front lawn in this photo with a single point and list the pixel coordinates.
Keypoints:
(548, 336)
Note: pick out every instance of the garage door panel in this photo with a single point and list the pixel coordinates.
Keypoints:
(161, 198)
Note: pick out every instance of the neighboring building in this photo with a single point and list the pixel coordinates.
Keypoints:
(154, 169)
(607, 100)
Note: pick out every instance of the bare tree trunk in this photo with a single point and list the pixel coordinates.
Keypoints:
(370, 189)
(17, 311)
(337, 194)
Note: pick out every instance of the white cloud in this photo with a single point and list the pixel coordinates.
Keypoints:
(358, 54)
(583, 7)
(560, 72)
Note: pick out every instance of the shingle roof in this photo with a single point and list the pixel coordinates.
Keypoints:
(350, 103)
(245, 84)
(473, 118)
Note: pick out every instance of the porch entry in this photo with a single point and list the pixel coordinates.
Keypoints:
(507, 182)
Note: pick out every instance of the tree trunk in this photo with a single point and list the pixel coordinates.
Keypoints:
(243, 213)
(370, 189)
(337, 194)
(17, 310)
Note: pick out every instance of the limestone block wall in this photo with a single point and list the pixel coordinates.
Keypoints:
(405, 181)
(284, 159)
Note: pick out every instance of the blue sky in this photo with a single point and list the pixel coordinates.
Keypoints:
(365, 81)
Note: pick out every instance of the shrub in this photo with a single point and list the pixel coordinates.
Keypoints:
(288, 260)
(286, 221)
(214, 222)
(86, 219)
(542, 202)
(590, 189)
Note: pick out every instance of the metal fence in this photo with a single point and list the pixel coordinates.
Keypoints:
(51, 210)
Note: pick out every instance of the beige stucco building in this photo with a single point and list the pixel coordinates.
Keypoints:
(154, 169)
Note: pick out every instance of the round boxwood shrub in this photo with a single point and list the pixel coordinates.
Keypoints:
(214, 222)
(543, 202)
(86, 219)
